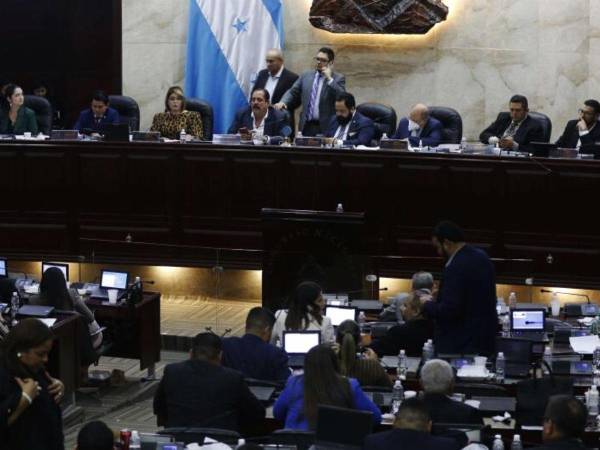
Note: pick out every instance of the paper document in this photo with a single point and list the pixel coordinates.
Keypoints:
(48, 322)
(584, 345)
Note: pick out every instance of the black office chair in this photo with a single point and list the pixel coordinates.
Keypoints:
(546, 123)
(342, 426)
(384, 117)
(302, 440)
(379, 329)
(451, 121)
(480, 390)
(43, 112)
(128, 109)
(206, 113)
(189, 435)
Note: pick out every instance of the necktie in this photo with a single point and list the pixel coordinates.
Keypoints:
(511, 130)
(313, 97)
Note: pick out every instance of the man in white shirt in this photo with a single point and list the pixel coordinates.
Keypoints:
(259, 119)
(276, 78)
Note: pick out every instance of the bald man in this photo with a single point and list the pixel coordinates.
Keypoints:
(275, 78)
(419, 126)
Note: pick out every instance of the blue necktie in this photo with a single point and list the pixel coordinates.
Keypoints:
(313, 97)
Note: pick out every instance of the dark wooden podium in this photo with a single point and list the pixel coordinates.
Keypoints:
(321, 246)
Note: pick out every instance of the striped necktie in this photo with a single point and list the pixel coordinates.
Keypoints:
(313, 96)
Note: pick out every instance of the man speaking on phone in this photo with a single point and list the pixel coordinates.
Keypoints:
(316, 90)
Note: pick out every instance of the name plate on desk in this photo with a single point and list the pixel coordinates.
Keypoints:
(64, 135)
(393, 144)
(571, 153)
(145, 136)
(309, 141)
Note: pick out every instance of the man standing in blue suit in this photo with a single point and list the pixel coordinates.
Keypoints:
(97, 115)
(420, 127)
(349, 126)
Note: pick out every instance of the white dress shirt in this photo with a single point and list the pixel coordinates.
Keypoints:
(272, 82)
(342, 130)
(259, 130)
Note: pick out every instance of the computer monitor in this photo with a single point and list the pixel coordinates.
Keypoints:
(338, 314)
(112, 279)
(527, 319)
(63, 267)
(300, 342)
(3, 269)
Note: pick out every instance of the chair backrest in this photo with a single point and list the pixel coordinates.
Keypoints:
(342, 425)
(519, 350)
(43, 112)
(546, 123)
(206, 113)
(480, 390)
(384, 117)
(128, 109)
(451, 121)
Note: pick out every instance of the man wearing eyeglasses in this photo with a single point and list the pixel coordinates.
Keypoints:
(582, 131)
(316, 90)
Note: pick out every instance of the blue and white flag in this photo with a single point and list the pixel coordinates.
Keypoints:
(227, 43)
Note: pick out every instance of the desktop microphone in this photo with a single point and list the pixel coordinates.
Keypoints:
(548, 291)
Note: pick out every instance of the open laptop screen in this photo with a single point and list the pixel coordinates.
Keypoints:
(338, 314)
(300, 342)
(114, 280)
(527, 320)
(63, 267)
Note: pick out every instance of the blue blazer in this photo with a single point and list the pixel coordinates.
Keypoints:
(409, 439)
(361, 131)
(464, 312)
(255, 358)
(275, 121)
(431, 135)
(289, 407)
(86, 120)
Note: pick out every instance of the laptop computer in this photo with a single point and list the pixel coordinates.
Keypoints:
(297, 344)
(63, 267)
(528, 324)
(338, 314)
(335, 299)
(35, 310)
(116, 132)
(367, 305)
(573, 368)
(111, 279)
(517, 356)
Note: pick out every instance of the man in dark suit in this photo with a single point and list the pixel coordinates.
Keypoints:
(437, 380)
(412, 431)
(420, 127)
(564, 424)
(316, 90)
(200, 392)
(252, 354)
(348, 126)
(97, 115)
(515, 130)
(582, 131)
(275, 78)
(464, 312)
(259, 119)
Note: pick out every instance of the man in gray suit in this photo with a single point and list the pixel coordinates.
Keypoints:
(316, 90)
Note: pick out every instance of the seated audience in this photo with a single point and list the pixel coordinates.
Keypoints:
(422, 283)
(564, 424)
(437, 380)
(95, 436)
(514, 130)
(176, 118)
(258, 119)
(348, 126)
(305, 313)
(420, 127)
(200, 392)
(99, 114)
(321, 384)
(15, 118)
(412, 431)
(30, 415)
(408, 336)
(252, 354)
(366, 368)
(584, 130)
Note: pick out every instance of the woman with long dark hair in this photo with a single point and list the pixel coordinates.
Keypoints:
(15, 117)
(305, 312)
(30, 417)
(321, 384)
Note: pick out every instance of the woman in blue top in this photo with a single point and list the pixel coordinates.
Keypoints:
(321, 384)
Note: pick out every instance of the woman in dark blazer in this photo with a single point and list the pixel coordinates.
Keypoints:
(15, 118)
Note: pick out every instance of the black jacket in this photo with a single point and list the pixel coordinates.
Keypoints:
(562, 444)
(445, 410)
(274, 122)
(196, 393)
(285, 82)
(570, 136)
(401, 439)
(409, 336)
(529, 131)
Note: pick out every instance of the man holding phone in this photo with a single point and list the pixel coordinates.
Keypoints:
(316, 90)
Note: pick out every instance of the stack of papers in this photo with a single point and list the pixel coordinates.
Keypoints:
(584, 345)
(472, 371)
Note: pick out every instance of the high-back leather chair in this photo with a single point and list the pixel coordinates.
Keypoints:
(128, 109)
(206, 113)
(384, 117)
(451, 121)
(43, 112)
(546, 123)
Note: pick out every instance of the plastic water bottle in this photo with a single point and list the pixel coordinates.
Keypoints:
(362, 319)
(397, 396)
(547, 360)
(591, 399)
(384, 137)
(241, 443)
(135, 442)
(420, 144)
(402, 365)
(505, 325)
(516, 443)
(339, 208)
(463, 143)
(182, 136)
(431, 348)
(14, 308)
(500, 367)
(427, 352)
(512, 300)
(498, 444)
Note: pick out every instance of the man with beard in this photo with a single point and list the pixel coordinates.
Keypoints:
(349, 127)
(464, 311)
(258, 119)
(582, 131)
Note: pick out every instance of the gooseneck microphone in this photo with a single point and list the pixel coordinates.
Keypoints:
(548, 291)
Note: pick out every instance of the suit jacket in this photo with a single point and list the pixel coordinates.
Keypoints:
(26, 121)
(404, 439)
(445, 410)
(361, 131)
(529, 131)
(409, 336)
(274, 122)
(431, 135)
(570, 136)
(196, 393)
(255, 358)
(464, 312)
(562, 444)
(300, 92)
(286, 81)
(86, 120)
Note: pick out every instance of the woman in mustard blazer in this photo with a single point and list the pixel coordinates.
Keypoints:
(15, 118)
